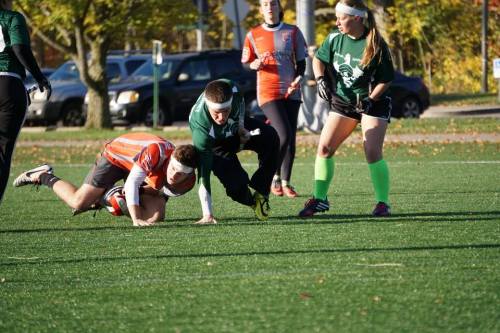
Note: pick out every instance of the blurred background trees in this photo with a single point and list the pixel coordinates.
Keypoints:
(439, 40)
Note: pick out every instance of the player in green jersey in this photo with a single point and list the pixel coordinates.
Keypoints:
(220, 129)
(15, 58)
(362, 69)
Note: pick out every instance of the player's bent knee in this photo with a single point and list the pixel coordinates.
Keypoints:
(325, 151)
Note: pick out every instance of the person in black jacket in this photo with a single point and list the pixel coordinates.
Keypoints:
(15, 57)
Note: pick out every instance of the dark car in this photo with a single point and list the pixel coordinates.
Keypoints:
(183, 78)
(65, 104)
(410, 96)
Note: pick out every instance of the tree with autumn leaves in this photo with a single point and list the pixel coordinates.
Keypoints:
(85, 30)
(439, 40)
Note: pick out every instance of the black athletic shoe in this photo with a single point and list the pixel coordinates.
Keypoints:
(381, 210)
(313, 206)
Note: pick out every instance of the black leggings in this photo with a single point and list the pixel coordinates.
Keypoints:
(13, 104)
(227, 167)
(283, 115)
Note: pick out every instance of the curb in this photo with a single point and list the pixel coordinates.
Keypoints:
(462, 111)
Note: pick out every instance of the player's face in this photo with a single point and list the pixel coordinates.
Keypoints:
(220, 116)
(270, 10)
(175, 176)
(347, 24)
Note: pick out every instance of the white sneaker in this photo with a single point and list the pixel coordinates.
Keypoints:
(32, 176)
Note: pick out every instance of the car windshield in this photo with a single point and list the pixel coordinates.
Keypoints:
(146, 70)
(66, 72)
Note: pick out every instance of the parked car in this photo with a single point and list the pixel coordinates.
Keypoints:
(410, 96)
(68, 92)
(29, 81)
(183, 78)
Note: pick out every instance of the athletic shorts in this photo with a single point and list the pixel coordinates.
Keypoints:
(381, 109)
(104, 174)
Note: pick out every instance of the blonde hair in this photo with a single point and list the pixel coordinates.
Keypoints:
(374, 39)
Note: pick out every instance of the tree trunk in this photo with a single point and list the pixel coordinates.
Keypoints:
(98, 109)
(93, 74)
(426, 65)
(97, 103)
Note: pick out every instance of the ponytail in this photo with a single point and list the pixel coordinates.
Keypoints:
(374, 40)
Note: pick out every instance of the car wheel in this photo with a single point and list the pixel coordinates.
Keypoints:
(73, 115)
(164, 117)
(410, 108)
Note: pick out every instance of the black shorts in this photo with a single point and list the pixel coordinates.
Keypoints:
(381, 109)
(104, 174)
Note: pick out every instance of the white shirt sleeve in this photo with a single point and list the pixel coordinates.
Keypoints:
(134, 180)
(205, 200)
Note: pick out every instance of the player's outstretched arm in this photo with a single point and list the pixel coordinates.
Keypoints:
(131, 188)
(136, 215)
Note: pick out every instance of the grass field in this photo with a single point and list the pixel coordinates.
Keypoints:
(434, 266)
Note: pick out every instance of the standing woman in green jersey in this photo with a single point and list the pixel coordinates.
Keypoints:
(15, 58)
(362, 71)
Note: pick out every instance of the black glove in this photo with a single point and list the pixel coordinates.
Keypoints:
(324, 90)
(365, 105)
(43, 85)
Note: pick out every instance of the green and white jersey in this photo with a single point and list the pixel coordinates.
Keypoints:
(205, 132)
(352, 79)
(13, 31)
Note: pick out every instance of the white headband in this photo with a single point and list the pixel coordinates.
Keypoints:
(218, 106)
(179, 166)
(344, 9)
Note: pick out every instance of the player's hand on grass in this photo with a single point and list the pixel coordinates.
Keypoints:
(207, 219)
(142, 223)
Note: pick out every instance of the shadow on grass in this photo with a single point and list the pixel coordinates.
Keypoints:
(284, 220)
(252, 253)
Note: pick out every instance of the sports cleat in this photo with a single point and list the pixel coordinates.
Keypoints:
(261, 206)
(289, 191)
(313, 206)
(32, 176)
(276, 188)
(381, 210)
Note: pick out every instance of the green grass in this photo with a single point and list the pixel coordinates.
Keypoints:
(434, 266)
(398, 126)
(464, 99)
(80, 134)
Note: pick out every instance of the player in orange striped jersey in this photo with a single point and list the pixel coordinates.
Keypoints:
(152, 167)
(277, 51)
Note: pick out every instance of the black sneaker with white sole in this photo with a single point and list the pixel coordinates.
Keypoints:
(31, 176)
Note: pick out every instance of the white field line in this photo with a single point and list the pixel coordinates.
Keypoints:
(388, 264)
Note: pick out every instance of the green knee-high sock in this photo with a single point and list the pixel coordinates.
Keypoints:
(323, 175)
(379, 173)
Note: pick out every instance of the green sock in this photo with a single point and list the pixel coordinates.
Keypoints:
(379, 173)
(323, 175)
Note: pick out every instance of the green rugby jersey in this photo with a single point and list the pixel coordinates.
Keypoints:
(13, 31)
(352, 79)
(205, 132)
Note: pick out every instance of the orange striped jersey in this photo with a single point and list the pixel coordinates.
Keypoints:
(279, 49)
(150, 152)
